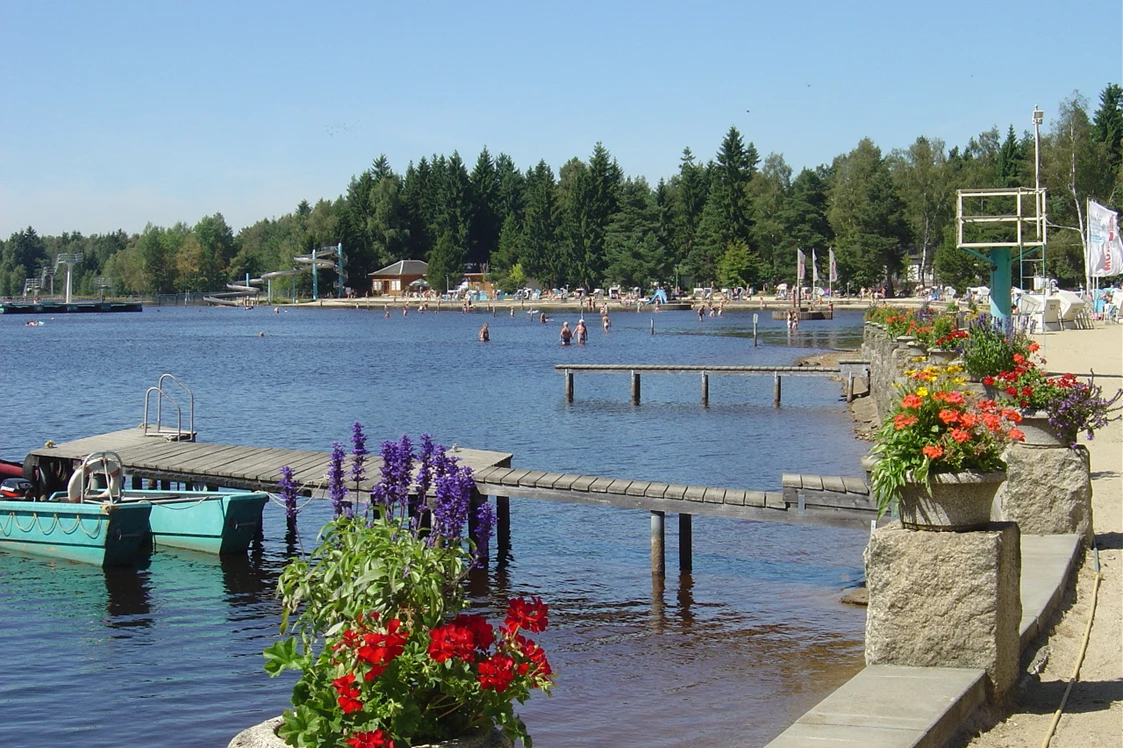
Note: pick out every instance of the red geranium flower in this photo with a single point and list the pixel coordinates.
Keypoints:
(348, 704)
(947, 415)
(497, 672)
(452, 640)
(376, 739)
(529, 615)
(933, 451)
(1017, 435)
(960, 435)
(988, 380)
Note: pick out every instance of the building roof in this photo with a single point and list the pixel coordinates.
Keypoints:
(404, 267)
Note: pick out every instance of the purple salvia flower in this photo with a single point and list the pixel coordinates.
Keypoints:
(485, 524)
(288, 492)
(358, 453)
(425, 471)
(452, 501)
(336, 489)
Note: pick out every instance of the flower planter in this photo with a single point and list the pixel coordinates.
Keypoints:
(264, 735)
(904, 341)
(1039, 432)
(942, 356)
(959, 502)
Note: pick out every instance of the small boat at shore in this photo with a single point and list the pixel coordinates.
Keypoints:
(96, 521)
(222, 522)
(98, 532)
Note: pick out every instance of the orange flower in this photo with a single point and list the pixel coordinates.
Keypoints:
(960, 435)
(1017, 435)
(1033, 347)
(947, 415)
(967, 420)
(933, 451)
(903, 421)
(1012, 415)
(954, 398)
(911, 401)
(993, 422)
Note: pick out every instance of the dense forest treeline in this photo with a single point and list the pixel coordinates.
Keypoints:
(734, 220)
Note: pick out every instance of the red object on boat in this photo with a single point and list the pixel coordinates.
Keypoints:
(10, 469)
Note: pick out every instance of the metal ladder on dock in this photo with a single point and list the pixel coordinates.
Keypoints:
(157, 428)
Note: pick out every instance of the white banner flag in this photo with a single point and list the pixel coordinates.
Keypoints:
(833, 267)
(801, 266)
(1104, 253)
(814, 269)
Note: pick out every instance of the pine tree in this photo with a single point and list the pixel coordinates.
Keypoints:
(1108, 123)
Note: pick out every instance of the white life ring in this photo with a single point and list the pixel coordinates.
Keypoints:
(100, 468)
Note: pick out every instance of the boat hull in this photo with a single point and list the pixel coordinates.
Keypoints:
(101, 534)
(222, 523)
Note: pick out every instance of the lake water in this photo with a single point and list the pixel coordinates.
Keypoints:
(170, 654)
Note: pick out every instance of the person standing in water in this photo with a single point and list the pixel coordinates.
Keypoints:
(484, 334)
(566, 334)
(582, 331)
(605, 322)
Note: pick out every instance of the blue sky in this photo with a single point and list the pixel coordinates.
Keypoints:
(115, 114)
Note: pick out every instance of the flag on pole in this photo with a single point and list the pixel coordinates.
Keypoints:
(814, 269)
(1103, 255)
(801, 266)
(833, 272)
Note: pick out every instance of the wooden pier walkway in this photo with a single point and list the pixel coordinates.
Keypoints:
(226, 465)
(816, 500)
(848, 370)
(805, 499)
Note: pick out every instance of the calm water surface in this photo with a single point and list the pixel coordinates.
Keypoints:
(170, 654)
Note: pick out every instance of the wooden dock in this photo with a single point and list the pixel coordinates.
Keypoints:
(168, 458)
(847, 370)
(226, 465)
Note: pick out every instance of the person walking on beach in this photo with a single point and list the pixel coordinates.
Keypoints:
(566, 334)
(484, 334)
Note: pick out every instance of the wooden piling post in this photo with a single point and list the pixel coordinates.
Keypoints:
(850, 388)
(502, 526)
(568, 386)
(776, 389)
(685, 544)
(635, 388)
(658, 562)
(705, 390)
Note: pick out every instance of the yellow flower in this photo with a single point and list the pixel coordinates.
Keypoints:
(922, 391)
(954, 368)
(960, 380)
(910, 372)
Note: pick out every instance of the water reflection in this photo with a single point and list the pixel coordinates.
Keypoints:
(129, 598)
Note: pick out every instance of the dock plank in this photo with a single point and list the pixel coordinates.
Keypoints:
(714, 495)
(600, 485)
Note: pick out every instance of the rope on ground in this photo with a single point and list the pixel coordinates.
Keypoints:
(1083, 648)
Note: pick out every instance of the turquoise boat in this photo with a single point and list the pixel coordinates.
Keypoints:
(99, 533)
(208, 521)
(222, 522)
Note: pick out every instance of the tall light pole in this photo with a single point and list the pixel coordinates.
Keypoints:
(1038, 117)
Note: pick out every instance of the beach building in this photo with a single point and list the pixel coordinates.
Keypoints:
(395, 280)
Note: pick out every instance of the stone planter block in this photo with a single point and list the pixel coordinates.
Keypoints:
(939, 599)
(1048, 490)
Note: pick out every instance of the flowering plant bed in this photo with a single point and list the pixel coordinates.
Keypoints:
(937, 428)
(1071, 406)
(377, 626)
(990, 347)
